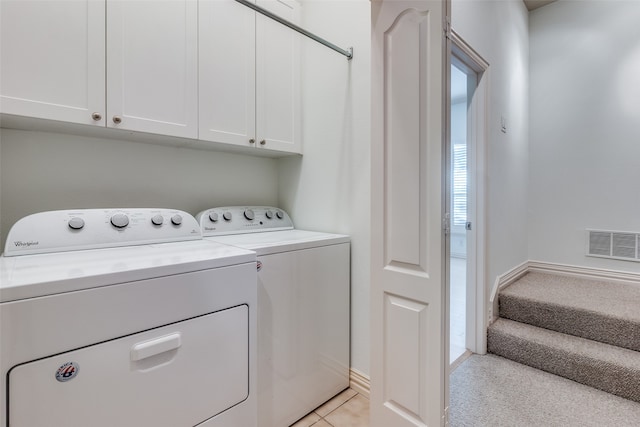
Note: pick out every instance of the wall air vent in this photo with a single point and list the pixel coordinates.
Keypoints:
(620, 245)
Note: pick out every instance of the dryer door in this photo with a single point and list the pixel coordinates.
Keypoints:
(175, 376)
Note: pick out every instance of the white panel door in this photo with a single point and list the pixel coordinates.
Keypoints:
(53, 60)
(227, 58)
(152, 66)
(278, 78)
(408, 287)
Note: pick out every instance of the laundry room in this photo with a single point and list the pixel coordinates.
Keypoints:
(171, 170)
(48, 163)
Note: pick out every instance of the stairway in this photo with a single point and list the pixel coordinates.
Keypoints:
(582, 329)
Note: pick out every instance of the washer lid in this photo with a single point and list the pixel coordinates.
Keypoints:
(30, 276)
(281, 241)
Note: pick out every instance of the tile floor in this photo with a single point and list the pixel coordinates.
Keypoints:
(348, 409)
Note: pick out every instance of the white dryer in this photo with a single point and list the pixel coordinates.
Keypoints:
(303, 308)
(125, 317)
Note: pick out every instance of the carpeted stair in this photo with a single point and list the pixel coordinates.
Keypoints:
(581, 329)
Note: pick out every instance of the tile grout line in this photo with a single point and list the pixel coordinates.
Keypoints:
(323, 418)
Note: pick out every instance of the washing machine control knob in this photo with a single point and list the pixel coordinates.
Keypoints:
(279, 214)
(227, 216)
(76, 223)
(213, 217)
(157, 219)
(268, 214)
(249, 214)
(119, 220)
(176, 219)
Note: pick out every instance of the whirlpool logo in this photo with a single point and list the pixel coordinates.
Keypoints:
(21, 244)
(67, 372)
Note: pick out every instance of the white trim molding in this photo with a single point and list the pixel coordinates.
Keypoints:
(585, 272)
(502, 282)
(516, 273)
(359, 382)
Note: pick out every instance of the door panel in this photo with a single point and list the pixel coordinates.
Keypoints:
(227, 72)
(146, 379)
(152, 71)
(53, 59)
(408, 290)
(278, 78)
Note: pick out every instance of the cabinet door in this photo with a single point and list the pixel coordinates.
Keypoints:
(53, 59)
(227, 72)
(278, 78)
(152, 72)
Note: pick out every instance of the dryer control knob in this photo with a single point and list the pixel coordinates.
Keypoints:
(119, 220)
(227, 216)
(176, 219)
(157, 220)
(213, 217)
(249, 214)
(279, 214)
(268, 214)
(76, 223)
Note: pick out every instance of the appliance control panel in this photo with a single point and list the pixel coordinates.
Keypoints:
(67, 230)
(242, 219)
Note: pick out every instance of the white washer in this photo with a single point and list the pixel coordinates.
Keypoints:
(125, 317)
(303, 308)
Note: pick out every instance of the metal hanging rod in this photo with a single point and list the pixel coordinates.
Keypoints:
(348, 53)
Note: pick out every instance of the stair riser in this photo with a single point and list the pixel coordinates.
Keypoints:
(609, 377)
(581, 323)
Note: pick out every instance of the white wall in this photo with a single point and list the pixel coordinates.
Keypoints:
(498, 31)
(328, 188)
(46, 171)
(585, 127)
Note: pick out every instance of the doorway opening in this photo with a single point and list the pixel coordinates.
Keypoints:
(460, 220)
(465, 187)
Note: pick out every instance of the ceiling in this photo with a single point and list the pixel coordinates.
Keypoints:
(534, 4)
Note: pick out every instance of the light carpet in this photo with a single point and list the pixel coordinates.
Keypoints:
(492, 391)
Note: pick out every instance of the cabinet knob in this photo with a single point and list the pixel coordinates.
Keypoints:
(263, 142)
(252, 141)
(117, 119)
(96, 116)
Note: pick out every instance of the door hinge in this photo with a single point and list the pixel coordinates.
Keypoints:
(447, 28)
(446, 224)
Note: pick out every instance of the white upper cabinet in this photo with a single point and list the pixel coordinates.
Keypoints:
(227, 72)
(54, 59)
(152, 66)
(249, 75)
(52, 63)
(278, 101)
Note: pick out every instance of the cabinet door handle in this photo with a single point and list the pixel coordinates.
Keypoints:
(96, 116)
(252, 141)
(263, 142)
(117, 119)
(155, 346)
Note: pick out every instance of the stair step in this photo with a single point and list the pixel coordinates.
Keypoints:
(609, 368)
(598, 310)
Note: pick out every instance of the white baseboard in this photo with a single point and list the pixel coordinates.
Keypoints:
(359, 382)
(516, 273)
(586, 272)
(502, 282)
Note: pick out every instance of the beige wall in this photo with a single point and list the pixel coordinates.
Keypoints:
(585, 115)
(328, 188)
(46, 171)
